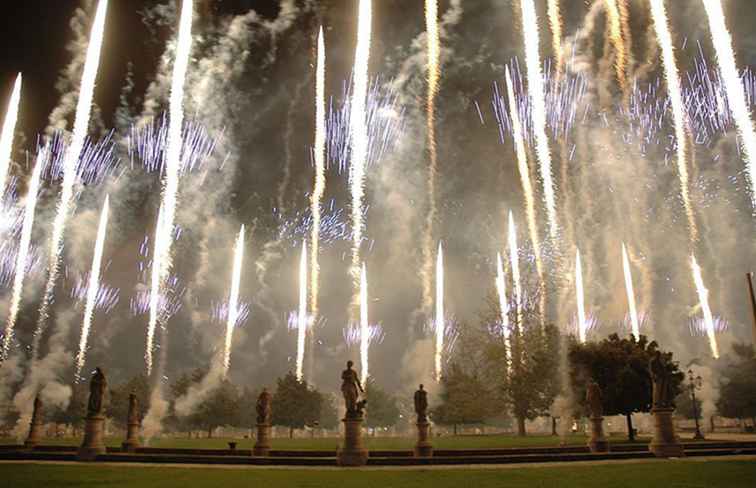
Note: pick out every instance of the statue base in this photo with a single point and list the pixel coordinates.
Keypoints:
(262, 446)
(93, 434)
(35, 435)
(598, 442)
(665, 442)
(131, 443)
(352, 453)
(423, 448)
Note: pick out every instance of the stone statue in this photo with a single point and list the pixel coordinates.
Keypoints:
(97, 387)
(593, 399)
(133, 409)
(351, 389)
(662, 385)
(421, 404)
(263, 407)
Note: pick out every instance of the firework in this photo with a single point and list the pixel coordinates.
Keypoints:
(320, 176)
(433, 70)
(722, 41)
(555, 23)
(615, 32)
(703, 300)
(678, 110)
(6, 137)
(78, 138)
(440, 316)
(515, 263)
(582, 320)
(94, 285)
(302, 316)
(359, 133)
(364, 326)
(162, 258)
(23, 251)
(501, 290)
(233, 300)
(538, 106)
(630, 293)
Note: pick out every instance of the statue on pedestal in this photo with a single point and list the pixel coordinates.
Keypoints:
(593, 399)
(263, 407)
(351, 389)
(421, 404)
(662, 384)
(133, 409)
(97, 387)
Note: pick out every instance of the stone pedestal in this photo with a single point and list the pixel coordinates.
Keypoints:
(35, 433)
(352, 453)
(665, 442)
(423, 448)
(262, 446)
(598, 442)
(93, 434)
(132, 438)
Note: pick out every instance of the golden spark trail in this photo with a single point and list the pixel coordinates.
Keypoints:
(302, 315)
(75, 148)
(615, 31)
(501, 291)
(320, 175)
(233, 300)
(664, 37)
(630, 293)
(514, 258)
(555, 23)
(92, 287)
(162, 259)
(703, 299)
(524, 170)
(434, 73)
(23, 251)
(722, 41)
(440, 318)
(581, 318)
(538, 101)
(6, 137)
(359, 135)
(364, 326)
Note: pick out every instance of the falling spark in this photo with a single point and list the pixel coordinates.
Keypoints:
(630, 293)
(555, 23)
(359, 132)
(703, 299)
(302, 316)
(364, 326)
(23, 251)
(524, 170)
(615, 32)
(678, 111)
(581, 317)
(515, 263)
(162, 259)
(722, 41)
(501, 290)
(78, 138)
(434, 55)
(93, 288)
(320, 176)
(440, 318)
(6, 137)
(233, 300)
(537, 98)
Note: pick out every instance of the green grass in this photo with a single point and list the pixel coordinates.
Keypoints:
(672, 474)
(375, 443)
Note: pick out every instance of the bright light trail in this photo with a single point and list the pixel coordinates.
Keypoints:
(555, 23)
(233, 300)
(703, 299)
(365, 334)
(581, 317)
(630, 293)
(320, 174)
(302, 316)
(9, 129)
(615, 33)
(440, 318)
(93, 288)
(514, 258)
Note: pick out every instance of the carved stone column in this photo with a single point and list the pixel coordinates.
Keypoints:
(423, 448)
(262, 446)
(665, 442)
(93, 444)
(352, 453)
(598, 442)
(36, 426)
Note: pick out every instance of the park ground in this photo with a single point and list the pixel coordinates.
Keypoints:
(733, 472)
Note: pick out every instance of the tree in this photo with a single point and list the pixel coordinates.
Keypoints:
(737, 388)
(76, 410)
(220, 408)
(463, 399)
(118, 407)
(382, 411)
(329, 418)
(295, 405)
(620, 367)
(247, 411)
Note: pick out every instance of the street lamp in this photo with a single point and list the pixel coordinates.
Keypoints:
(695, 383)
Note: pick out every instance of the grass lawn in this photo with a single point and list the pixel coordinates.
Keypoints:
(375, 443)
(672, 474)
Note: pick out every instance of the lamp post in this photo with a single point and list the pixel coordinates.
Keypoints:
(695, 383)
